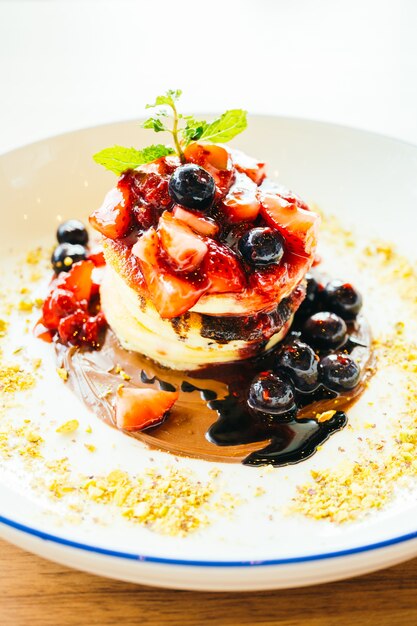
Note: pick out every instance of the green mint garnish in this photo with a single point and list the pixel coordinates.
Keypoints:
(225, 127)
(184, 130)
(155, 123)
(193, 129)
(118, 159)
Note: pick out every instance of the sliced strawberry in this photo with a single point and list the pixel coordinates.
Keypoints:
(81, 328)
(185, 249)
(223, 269)
(113, 219)
(59, 303)
(97, 256)
(195, 220)
(256, 170)
(208, 155)
(42, 332)
(150, 187)
(272, 186)
(137, 409)
(171, 294)
(272, 280)
(216, 160)
(298, 226)
(241, 204)
(78, 280)
(162, 167)
(70, 328)
(92, 328)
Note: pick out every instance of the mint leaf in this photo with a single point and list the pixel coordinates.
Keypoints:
(227, 126)
(193, 129)
(154, 123)
(171, 96)
(119, 159)
(156, 151)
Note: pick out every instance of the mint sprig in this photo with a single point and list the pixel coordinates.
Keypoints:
(118, 159)
(225, 127)
(184, 130)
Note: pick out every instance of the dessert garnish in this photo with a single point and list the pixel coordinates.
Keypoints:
(201, 323)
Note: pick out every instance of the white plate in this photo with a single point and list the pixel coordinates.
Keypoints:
(369, 181)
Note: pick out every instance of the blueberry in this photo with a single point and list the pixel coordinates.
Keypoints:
(261, 246)
(72, 231)
(192, 186)
(301, 364)
(311, 302)
(343, 299)
(65, 255)
(325, 330)
(339, 372)
(272, 394)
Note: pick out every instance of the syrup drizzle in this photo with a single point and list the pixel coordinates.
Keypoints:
(238, 433)
(163, 384)
(206, 394)
(292, 440)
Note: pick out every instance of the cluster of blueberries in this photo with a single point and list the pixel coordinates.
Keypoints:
(193, 187)
(72, 241)
(316, 356)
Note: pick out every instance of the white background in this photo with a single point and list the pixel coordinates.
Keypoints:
(68, 64)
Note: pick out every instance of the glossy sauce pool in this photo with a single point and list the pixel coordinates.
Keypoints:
(210, 419)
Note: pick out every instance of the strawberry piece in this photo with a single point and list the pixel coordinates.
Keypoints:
(223, 269)
(215, 159)
(78, 280)
(70, 328)
(113, 219)
(171, 294)
(92, 328)
(137, 409)
(213, 156)
(152, 181)
(298, 226)
(273, 187)
(81, 328)
(97, 256)
(195, 220)
(42, 332)
(241, 204)
(185, 249)
(256, 170)
(58, 304)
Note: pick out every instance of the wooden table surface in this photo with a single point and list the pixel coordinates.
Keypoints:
(35, 592)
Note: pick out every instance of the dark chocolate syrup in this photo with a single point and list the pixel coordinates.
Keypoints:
(163, 384)
(206, 394)
(292, 440)
(239, 433)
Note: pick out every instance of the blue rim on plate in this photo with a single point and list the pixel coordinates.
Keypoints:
(164, 561)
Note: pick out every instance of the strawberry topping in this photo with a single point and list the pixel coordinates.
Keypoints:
(185, 249)
(171, 293)
(223, 269)
(71, 309)
(113, 219)
(241, 204)
(256, 170)
(216, 160)
(197, 221)
(183, 253)
(78, 280)
(298, 225)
